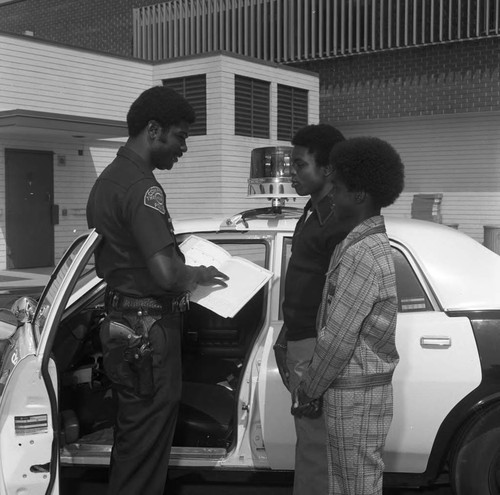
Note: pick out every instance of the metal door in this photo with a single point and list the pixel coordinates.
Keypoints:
(29, 182)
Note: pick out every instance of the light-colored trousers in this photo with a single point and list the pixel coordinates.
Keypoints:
(311, 463)
(358, 421)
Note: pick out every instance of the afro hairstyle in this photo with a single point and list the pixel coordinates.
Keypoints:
(159, 103)
(371, 165)
(319, 139)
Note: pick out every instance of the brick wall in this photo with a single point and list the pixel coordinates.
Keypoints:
(103, 25)
(442, 79)
(433, 80)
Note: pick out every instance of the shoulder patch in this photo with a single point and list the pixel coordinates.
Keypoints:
(154, 199)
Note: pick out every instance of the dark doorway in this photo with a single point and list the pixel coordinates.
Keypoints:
(29, 186)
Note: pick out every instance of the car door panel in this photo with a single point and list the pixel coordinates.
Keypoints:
(277, 423)
(26, 433)
(420, 406)
(439, 365)
(28, 458)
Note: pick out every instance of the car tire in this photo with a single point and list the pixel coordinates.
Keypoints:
(475, 464)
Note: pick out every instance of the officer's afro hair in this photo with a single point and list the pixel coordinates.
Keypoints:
(319, 139)
(371, 165)
(159, 103)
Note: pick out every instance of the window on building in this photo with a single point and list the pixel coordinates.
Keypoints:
(194, 89)
(251, 99)
(292, 111)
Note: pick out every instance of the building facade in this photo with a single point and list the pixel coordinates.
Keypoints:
(440, 107)
(433, 93)
(92, 24)
(62, 119)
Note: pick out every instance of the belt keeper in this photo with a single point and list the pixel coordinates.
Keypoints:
(124, 303)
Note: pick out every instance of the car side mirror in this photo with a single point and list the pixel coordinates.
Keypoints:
(23, 310)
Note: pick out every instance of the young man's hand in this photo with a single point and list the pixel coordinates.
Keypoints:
(304, 406)
(280, 348)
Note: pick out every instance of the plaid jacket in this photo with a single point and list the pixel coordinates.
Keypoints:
(357, 317)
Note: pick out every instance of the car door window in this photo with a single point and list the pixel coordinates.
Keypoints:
(411, 294)
(254, 251)
(209, 334)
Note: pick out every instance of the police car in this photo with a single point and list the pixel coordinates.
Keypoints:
(56, 407)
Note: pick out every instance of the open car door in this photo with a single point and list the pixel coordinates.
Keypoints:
(26, 431)
(29, 417)
(278, 429)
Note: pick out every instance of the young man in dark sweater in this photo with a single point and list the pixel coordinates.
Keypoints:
(315, 237)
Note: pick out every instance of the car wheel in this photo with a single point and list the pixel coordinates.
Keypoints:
(475, 466)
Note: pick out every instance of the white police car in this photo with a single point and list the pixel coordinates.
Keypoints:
(56, 408)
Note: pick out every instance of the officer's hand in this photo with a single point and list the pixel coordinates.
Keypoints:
(209, 275)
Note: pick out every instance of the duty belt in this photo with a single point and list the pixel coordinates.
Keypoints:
(153, 305)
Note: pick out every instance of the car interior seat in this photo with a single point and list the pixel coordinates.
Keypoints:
(213, 353)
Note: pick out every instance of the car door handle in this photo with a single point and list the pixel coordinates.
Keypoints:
(435, 342)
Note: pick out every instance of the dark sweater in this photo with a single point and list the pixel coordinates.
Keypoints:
(313, 243)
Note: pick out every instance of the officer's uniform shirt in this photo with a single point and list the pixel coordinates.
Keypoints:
(314, 240)
(127, 206)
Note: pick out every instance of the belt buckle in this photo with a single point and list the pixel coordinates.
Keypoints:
(181, 303)
(114, 300)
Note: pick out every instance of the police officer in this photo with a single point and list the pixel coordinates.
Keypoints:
(148, 288)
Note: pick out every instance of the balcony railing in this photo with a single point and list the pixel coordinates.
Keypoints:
(298, 30)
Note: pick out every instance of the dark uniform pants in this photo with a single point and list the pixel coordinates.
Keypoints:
(145, 427)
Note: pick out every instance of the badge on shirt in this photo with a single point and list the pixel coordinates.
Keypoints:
(154, 199)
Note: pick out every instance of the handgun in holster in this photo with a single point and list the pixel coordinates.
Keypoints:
(136, 351)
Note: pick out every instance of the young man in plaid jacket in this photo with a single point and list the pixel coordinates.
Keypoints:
(355, 354)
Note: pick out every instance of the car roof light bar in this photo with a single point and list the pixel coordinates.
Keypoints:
(270, 178)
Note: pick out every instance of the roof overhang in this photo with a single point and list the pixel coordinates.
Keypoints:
(22, 122)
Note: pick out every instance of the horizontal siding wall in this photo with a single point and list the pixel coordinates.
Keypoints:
(193, 186)
(51, 78)
(72, 184)
(212, 178)
(456, 155)
(472, 212)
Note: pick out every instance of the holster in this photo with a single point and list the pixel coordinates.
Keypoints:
(128, 357)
